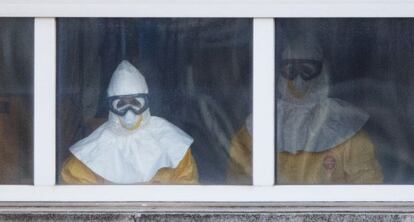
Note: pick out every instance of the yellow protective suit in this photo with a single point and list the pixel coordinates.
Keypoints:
(75, 172)
(240, 163)
(352, 162)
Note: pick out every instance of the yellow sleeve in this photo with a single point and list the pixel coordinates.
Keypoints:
(75, 172)
(361, 165)
(240, 162)
(185, 173)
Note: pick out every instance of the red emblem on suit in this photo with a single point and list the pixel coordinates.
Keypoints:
(329, 162)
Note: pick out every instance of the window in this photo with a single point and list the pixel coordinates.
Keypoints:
(16, 100)
(60, 68)
(198, 74)
(347, 121)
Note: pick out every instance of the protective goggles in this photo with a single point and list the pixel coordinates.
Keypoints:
(137, 103)
(306, 68)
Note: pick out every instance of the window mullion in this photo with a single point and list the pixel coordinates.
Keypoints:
(263, 102)
(44, 101)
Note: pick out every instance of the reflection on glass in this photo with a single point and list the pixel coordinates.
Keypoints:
(16, 101)
(150, 101)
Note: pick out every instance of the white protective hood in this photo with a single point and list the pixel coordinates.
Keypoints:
(315, 122)
(123, 156)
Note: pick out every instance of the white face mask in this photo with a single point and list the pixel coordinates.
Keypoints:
(300, 86)
(130, 120)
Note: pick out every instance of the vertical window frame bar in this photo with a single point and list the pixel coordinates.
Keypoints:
(44, 102)
(263, 102)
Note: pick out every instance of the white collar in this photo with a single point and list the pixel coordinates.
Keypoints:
(316, 126)
(126, 157)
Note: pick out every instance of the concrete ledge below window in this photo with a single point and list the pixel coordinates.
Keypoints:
(333, 211)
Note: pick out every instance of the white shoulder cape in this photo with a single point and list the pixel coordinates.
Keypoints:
(317, 126)
(126, 157)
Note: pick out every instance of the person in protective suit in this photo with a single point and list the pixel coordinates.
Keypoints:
(319, 139)
(132, 147)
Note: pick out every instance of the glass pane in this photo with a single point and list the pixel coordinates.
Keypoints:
(344, 101)
(16, 100)
(151, 101)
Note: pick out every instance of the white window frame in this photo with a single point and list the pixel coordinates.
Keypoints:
(263, 13)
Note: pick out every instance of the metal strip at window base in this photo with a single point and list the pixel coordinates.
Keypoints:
(172, 211)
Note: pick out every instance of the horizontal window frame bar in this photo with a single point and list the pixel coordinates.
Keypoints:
(207, 193)
(203, 8)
